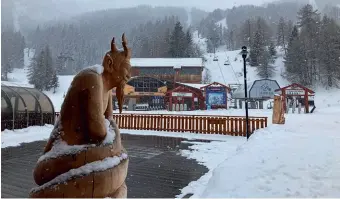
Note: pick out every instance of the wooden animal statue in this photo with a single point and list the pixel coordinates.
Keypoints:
(84, 156)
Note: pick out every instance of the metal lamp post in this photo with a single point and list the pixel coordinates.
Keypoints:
(244, 56)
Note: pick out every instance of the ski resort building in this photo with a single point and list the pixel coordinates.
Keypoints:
(153, 78)
(184, 70)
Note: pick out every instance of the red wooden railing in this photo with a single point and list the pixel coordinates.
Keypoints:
(203, 124)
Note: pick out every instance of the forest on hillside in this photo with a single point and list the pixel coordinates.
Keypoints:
(166, 32)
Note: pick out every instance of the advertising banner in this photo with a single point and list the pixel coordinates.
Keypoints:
(216, 96)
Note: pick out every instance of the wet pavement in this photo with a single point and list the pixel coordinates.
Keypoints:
(156, 169)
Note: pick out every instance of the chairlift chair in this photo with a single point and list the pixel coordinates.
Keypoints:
(215, 58)
(227, 62)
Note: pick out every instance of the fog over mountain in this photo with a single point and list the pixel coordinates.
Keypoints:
(27, 14)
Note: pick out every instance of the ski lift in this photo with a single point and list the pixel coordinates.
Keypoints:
(215, 58)
(227, 62)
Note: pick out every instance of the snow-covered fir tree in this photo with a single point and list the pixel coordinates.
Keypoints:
(329, 53)
(257, 48)
(54, 82)
(41, 71)
(265, 69)
(206, 76)
(177, 41)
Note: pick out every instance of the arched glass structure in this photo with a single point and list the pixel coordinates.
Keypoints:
(22, 107)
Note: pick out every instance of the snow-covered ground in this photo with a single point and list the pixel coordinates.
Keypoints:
(297, 159)
(222, 23)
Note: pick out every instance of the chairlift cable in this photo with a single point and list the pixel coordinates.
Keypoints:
(221, 73)
(234, 73)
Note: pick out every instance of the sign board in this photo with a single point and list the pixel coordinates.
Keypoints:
(195, 99)
(178, 94)
(295, 92)
(216, 96)
(264, 88)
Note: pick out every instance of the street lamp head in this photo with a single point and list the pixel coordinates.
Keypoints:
(244, 52)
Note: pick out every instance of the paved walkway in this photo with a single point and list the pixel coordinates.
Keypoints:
(156, 170)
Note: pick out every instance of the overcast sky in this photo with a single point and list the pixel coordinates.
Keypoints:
(208, 5)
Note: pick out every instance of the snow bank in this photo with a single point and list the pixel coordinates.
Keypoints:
(37, 133)
(298, 159)
(26, 135)
(210, 155)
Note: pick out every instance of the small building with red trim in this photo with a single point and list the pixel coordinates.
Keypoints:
(216, 95)
(297, 92)
(185, 98)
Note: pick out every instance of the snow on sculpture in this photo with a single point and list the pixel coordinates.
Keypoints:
(84, 156)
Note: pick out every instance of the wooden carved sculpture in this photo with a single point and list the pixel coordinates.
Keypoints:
(84, 156)
(278, 111)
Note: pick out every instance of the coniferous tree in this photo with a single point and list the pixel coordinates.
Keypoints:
(36, 74)
(265, 69)
(281, 33)
(177, 41)
(188, 44)
(309, 23)
(48, 69)
(206, 76)
(12, 52)
(54, 81)
(272, 50)
(329, 53)
(257, 48)
(295, 60)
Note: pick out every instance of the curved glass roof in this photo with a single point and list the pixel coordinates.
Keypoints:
(24, 106)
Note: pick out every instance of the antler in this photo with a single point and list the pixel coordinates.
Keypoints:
(126, 51)
(113, 45)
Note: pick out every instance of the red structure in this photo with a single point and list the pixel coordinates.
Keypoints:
(185, 98)
(299, 91)
(217, 88)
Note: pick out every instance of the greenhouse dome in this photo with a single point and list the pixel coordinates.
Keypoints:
(22, 106)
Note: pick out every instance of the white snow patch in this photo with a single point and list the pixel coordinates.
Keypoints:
(198, 86)
(297, 159)
(61, 148)
(210, 155)
(35, 133)
(222, 23)
(96, 166)
(110, 133)
(166, 62)
(26, 135)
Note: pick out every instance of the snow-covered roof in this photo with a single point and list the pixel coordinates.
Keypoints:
(198, 86)
(166, 62)
(16, 84)
(239, 92)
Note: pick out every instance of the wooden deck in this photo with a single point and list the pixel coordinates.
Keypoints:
(156, 170)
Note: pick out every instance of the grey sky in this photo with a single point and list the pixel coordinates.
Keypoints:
(208, 5)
